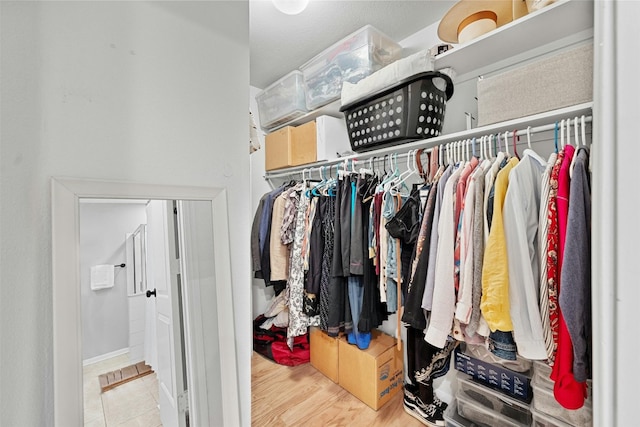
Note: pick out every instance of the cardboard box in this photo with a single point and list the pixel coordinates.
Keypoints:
(373, 375)
(324, 353)
(559, 81)
(325, 138)
(290, 146)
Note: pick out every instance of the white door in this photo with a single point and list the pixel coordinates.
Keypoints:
(170, 364)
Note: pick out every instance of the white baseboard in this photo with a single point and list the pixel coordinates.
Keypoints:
(105, 356)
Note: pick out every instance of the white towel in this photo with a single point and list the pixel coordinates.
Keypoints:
(101, 277)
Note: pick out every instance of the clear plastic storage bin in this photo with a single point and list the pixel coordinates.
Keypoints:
(545, 402)
(480, 415)
(453, 419)
(542, 374)
(494, 400)
(351, 59)
(544, 420)
(282, 101)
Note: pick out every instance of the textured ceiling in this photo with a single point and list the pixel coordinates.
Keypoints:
(281, 43)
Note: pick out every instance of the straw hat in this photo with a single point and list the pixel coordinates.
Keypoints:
(468, 19)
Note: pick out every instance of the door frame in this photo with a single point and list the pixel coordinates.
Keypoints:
(67, 322)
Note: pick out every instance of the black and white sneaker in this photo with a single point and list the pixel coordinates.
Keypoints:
(429, 415)
(440, 404)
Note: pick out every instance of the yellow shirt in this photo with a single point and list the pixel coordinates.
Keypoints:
(495, 269)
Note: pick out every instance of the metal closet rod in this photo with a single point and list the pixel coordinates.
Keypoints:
(427, 145)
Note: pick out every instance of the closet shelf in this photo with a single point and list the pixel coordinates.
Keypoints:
(551, 23)
(332, 109)
(510, 125)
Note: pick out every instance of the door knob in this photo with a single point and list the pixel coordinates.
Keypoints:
(149, 293)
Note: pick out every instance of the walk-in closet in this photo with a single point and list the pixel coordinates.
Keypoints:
(451, 235)
(435, 222)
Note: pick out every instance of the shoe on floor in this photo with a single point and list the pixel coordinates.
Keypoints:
(440, 404)
(429, 415)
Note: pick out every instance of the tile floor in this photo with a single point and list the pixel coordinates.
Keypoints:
(133, 404)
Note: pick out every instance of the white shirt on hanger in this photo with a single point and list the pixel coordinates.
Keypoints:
(444, 293)
(521, 215)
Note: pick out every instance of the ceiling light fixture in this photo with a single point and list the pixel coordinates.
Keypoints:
(290, 7)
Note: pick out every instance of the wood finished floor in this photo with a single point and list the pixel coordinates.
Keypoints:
(302, 396)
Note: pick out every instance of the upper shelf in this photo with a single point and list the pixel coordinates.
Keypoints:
(557, 21)
(554, 22)
(332, 109)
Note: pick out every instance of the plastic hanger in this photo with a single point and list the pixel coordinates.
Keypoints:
(506, 143)
(400, 182)
(490, 145)
(573, 160)
(514, 141)
(584, 130)
(562, 144)
(555, 137)
(529, 137)
(483, 147)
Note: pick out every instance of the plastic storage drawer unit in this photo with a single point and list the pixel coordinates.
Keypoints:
(453, 419)
(282, 101)
(478, 414)
(545, 402)
(544, 420)
(542, 374)
(494, 400)
(351, 59)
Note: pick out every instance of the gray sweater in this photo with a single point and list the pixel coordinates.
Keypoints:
(575, 280)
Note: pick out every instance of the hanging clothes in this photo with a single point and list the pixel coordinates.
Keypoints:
(444, 297)
(356, 246)
(553, 250)
(279, 252)
(477, 324)
(298, 320)
(567, 391)
(255, 238)
(495, 271)
(373, 311)
(575, 295)
(521, 213)
(413, 314)
(427, 297)
(543, 246)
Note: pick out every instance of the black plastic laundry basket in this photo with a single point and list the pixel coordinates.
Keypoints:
(410, 110)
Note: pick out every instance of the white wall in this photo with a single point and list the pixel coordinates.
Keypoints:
(261, 295)
(105, 312)
(615, 221)
(131, 91)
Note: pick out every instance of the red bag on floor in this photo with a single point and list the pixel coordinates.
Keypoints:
(272, 344)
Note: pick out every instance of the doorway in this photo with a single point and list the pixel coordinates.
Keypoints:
(205, 281)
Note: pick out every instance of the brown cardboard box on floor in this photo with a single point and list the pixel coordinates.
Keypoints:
(373, 375)
(324, 353)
